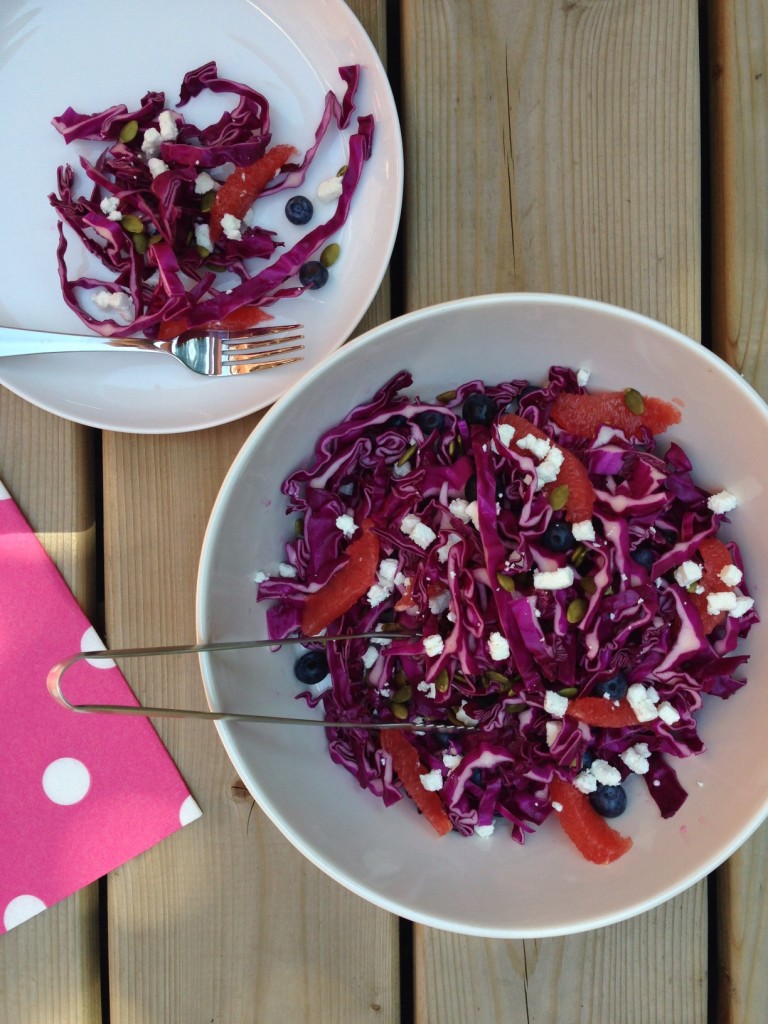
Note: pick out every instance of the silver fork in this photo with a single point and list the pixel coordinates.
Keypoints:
(214, 353)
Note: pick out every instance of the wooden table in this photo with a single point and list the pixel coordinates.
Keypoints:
(614, 149)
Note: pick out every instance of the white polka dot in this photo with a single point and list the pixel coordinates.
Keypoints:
(4, 495)
(20, 910)
(66, 781)
(91, 641)
(189, 811)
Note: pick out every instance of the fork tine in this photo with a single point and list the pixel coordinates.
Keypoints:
(254, 345)
(255, 356)
(235, 368)
(259, 332)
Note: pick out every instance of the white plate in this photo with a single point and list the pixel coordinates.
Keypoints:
(85, 54)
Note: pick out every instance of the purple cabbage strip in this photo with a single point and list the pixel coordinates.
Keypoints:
(184, 282)
(383, 462)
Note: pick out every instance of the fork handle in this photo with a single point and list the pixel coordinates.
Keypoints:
(16, 341)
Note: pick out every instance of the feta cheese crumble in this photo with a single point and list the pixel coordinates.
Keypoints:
(428, 689)
(231, 226)
(114, 302)
(731, 575)
(109, 207)
(169, 130)
(329, 189)
(555, 704)
(484, 830)
(498, 647)
(722, 502)
(582, 376)
(433, 645)
(151, 142)
(204, 183)
(432, 781)
(346, 524)
(721, 601)
(583, 530)
(687, 573)
(636, 758)
(667, 713)
(288, 572)
(370, 656)
(452, 761)
(641, 702)
(554, 579)
(203, 236)
(419, 532)
(465, 718)
(605, 773)
(506, 433)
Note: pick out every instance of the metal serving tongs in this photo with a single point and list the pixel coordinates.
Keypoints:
(57, 672)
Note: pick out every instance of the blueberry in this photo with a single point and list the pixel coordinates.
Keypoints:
(586, 759)
(558, 536)
(470, 489)
(429, 420)
(644, 555)
(614, 688)
(479, 408)
(311, 667)
(395, 422)
(477, 776)
(299, 210)
(313, 274)
(610, 801)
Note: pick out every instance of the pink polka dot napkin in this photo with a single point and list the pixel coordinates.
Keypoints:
(81, 794)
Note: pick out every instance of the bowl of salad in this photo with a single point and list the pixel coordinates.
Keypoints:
(508, 552)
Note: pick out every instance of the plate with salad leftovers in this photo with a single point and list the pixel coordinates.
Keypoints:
(248, 174)
(533, 569)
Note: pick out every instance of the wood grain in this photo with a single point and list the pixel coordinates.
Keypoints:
(738, 90)
(554, 146)
(225, 920)
(738, 77)
(49, 966)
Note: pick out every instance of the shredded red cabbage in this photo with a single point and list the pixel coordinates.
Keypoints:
(624, 612)
(163, 272)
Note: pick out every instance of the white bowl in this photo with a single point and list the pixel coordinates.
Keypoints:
(492, 886)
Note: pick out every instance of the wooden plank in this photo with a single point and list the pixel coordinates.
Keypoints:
(225, 920)
(738, 92)
(581, 177)
(739, 138)
(49, 966)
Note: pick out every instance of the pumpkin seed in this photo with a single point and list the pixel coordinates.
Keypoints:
(405, 457)
(505, 582)
(588, 584)
(491, 676)
(558, 496)
(634, 401)
(206, 200)
(129, 131)
(515, 709)
(577, 555)
(298, 528)
(446, 396)
(576, 610)
(341, 171)
(202, 252)
(330, 254)
(442, 681)
(400, 711)
(131, 224)
(568, 691)
(402, 694)
(140, 243)
(399, 678)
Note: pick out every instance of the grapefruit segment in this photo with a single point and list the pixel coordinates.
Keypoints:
(244, 185)
(583, 415)
(715, 556)
(602, 712)
(580, 502)
(588, 831)
(238, 320)
(409, 770)
(346, 586)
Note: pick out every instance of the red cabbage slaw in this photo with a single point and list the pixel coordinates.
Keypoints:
(380, 464)
(154, 176)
